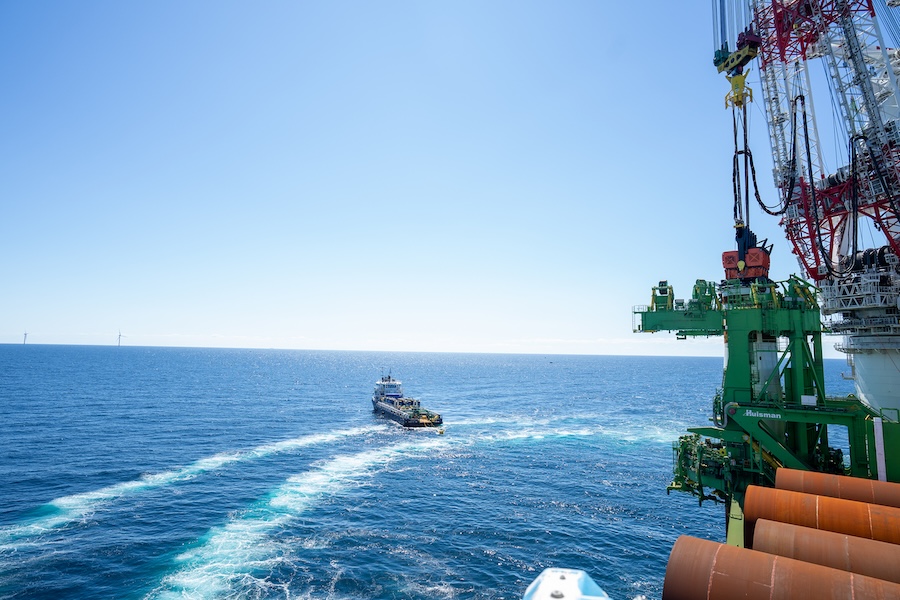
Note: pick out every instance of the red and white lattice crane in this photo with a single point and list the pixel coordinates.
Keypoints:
(841, 212)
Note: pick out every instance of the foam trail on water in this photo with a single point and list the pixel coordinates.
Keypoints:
(69, 509)
(225, 563)
(586, 425)
(233, 560)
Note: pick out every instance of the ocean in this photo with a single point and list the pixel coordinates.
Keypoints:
(160, 473)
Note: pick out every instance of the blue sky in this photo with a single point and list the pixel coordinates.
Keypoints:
(503, 176)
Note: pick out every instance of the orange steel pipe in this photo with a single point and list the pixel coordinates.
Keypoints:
(703, 569)
(839, 486)
(836, 550)
(870, 521)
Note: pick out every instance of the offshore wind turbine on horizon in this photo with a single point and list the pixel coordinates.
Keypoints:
(119, 344)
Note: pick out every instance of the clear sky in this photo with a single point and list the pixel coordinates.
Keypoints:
(479, 176)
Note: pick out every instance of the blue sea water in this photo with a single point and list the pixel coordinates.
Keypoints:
(210, 473)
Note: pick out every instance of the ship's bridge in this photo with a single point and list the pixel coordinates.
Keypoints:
(393, 389)
(389, 387)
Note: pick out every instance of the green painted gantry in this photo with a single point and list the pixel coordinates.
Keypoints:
(771, 410)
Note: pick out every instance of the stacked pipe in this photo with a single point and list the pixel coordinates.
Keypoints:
(837, 486)
(813, 536)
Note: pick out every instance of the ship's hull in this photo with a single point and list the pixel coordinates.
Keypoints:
(408, 418)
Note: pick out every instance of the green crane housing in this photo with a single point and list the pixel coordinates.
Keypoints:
(772, 409)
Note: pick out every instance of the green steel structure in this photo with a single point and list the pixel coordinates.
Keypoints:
(772, 409)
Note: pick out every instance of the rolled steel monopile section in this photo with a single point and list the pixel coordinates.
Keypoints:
(835, 550)
(871, 521)
(839, 486)
(700, 569)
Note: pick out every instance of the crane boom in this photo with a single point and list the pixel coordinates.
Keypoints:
(841, 213)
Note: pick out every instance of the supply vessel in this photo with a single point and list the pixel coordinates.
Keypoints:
(388, 400)
(788, 461)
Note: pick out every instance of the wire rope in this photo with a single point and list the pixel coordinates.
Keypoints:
(886, 16)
